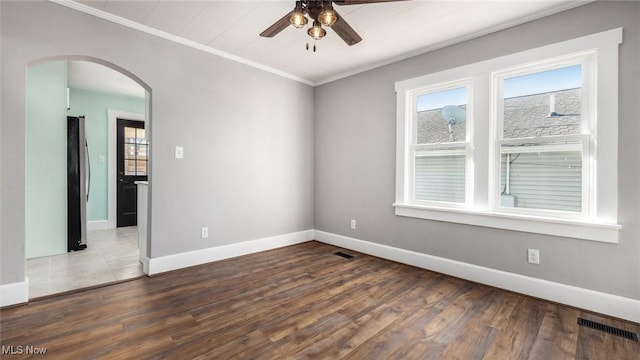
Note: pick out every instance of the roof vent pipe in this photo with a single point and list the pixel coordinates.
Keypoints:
(552, 106)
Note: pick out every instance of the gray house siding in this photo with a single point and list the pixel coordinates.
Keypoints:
(440, 178)
(550, 180)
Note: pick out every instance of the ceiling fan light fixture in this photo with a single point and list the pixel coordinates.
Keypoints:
(316, 31)
(306, 11)
(327, 16)
(298, 19)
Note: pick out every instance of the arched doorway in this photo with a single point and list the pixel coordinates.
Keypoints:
(60, 90)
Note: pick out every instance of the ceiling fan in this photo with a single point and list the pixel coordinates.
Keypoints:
(320, 13)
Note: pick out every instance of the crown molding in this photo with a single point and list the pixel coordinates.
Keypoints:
(177, 39)
(457, 40)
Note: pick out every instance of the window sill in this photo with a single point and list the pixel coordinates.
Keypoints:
(533, 224)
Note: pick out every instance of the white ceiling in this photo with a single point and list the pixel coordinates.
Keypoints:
(91, 76)
(390, 31)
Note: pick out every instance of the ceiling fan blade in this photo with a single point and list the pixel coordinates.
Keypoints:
(278, 26)
(361, 2)
(345, 31)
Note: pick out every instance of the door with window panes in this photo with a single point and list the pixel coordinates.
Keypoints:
(132, 160)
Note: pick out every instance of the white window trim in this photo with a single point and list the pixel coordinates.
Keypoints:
(586, 60)
(458, 147)
(602, 225)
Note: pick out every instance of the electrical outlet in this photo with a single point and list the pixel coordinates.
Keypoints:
(353, 224)
(205, 232)
(533, 256)
(179, 152)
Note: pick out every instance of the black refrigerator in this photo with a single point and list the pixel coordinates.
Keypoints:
(78, 183)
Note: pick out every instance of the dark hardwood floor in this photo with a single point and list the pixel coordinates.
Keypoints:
(305, 302)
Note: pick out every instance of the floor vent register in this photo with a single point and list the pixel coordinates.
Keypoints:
(608, 329)
(344, 255)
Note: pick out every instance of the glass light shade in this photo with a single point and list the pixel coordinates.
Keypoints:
(328, 16)
(298, 19)
(316, 31)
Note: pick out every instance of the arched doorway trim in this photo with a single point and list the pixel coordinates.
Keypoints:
(146, 119)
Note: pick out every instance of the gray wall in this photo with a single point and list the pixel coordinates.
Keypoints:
(247, 134)
(249, 140)
(355, 161)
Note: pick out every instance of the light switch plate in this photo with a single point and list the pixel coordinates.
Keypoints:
(179, 152)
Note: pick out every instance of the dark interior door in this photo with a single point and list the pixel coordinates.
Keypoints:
(132, 166)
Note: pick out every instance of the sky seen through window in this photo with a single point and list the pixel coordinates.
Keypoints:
(569, 77)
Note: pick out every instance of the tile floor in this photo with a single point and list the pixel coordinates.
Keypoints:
(110, 255)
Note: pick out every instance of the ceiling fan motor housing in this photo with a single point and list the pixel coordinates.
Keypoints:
(321, 13)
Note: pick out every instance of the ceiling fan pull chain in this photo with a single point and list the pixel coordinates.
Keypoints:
(307, 38)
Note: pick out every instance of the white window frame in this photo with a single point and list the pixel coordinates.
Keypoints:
(586, 136)
(598, 220)
(442, 148)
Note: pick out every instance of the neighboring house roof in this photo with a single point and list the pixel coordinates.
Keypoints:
(524, 116)
(432, 129)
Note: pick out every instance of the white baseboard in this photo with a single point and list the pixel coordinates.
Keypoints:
(145, 264)
(162, 264)
(14, 293)
(613, 305)
(97, 225)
